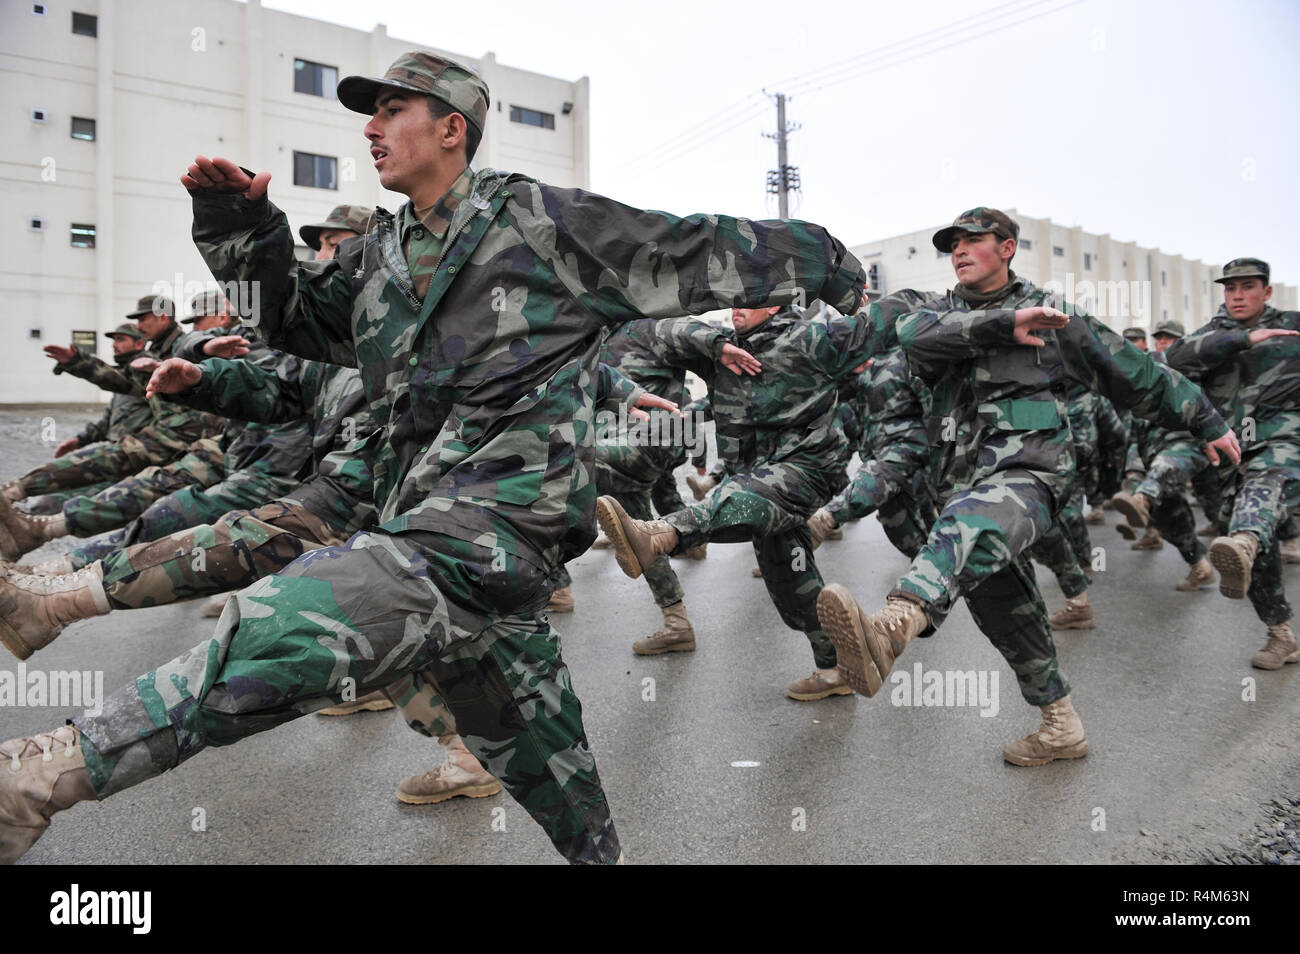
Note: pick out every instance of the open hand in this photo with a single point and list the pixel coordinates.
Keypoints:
(172, 377)
(1040, 318)
(1230, 446)
(60, 354)
(1256, 336)
(70, 444)
(738, 360)
(222, 177)
(228, 346)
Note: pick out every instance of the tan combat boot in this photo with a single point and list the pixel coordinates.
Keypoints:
(700, 486)
(1059, 737)
(822, 684)
(1151, 540)
(697, 552)
(1200, 574)
(756, 572)
(55, 566)
(1126, 531)
(38, 777)
(1291, 550)
(820, 526)
(12, 491)
(636, 542)
(561, 601)
(866, 646)
(1280, 649)
(34, 609)
(21, 534)
(214, 606)
(1136, 508)
(459, 774)
(1234, 557)
(1077, 614)
(677, 635)
(371, 702)
(1096, 517)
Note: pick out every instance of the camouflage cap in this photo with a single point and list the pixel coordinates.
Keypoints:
(977, 221)
(152, 305)
(126, 328)
(426, 74)
(353, 218)
(1135, 334)
(206, 303)
(1245, 268)
(1174, 329)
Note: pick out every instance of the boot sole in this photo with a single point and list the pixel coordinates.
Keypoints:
(1125, 531)
(1234, 574)
(376, 705)
(824, 694)
(1293, 658)
(1075, 624)
(1130, 512)
(559, 609)
(610, 523)
(674, 648)
(838, 613)
(470, 791)
(1076, 751)
(13, 642)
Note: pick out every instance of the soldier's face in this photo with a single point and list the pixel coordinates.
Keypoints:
(153, 326)
(1164, 341)
(745, 320)
(980, 261)
(403, 141)
(1140, 343)
(329, 243)
(125, 344)
(208, 322)
(1246, 297)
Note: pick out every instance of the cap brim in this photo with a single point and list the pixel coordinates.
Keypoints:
(358, 93)
(114, 334)
(311, 235)
(1230, 278)
(942, 239)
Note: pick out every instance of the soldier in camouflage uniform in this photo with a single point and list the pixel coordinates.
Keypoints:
(165, 437)
(893, 478)
(474, 316)
(251, 465)
(779, 436)
(1247, 358)
(1002, 460)
(343, 222)
(125, 414)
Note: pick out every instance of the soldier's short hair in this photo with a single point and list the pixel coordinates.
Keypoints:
(440, 110)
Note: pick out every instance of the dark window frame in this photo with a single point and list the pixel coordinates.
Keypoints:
(84, 119)
(89, 24)
(316, 158)
(526, 116)
(73, 234)
(316, 71)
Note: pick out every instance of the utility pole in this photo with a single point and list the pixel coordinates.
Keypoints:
(784, 179)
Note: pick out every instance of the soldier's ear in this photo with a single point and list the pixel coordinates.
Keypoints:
(1268, 292)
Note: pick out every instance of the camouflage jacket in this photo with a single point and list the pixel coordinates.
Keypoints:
(1255, 387)
(628, 350)
(895, 404)
(1000, 406)
(486, 385)
(125, 414)
(786, 413)
(280, 446)
(173, 425)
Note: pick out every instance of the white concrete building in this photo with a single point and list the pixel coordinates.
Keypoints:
(1122, 283)
(105, 102)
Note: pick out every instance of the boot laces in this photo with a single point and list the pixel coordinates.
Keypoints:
(895, 614)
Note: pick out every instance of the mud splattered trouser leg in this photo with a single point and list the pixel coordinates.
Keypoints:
(1267, 490)
(770, 506)
(102, 462)
(380, 608)
(236, 551)
(188, 507)
(977, 550)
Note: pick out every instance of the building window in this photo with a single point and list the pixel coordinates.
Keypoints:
(34, 334)
(1058, 251)
(1087, 261)
(83, 129)
(38, 9)
(36, 224)
(1026, 244)
(319, 172)
(532, 117)
(83, 24)
(315, 79)
(84, 339)
(38, 115)
(1162, 278)
(83, 236)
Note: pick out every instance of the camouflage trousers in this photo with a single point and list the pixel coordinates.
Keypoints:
(905, 513)
(201, 465)
(1112, 448)
(52, 503)
(187, 507)
(1057, 551)
(100, 463)
(358, 618)
(769, 506)
(236, 551)
(1266, 490)
(634, 477)
(977, 550)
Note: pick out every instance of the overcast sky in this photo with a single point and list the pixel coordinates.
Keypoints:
(1173, 124)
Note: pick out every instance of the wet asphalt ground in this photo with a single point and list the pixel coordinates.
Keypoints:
(1194, 754)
